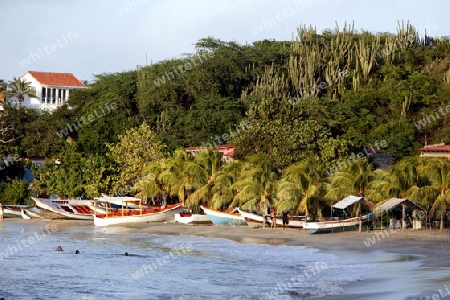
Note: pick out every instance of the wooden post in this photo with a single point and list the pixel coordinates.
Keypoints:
(264, 214)
(403, 217)
(360, 220)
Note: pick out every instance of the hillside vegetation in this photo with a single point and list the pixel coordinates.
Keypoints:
(319, 98)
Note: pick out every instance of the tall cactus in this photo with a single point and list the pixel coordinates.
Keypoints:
(405, 105)
(366, 54)
(447, 77)
(407, 35)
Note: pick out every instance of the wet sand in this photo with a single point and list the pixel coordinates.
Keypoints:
(425, 253)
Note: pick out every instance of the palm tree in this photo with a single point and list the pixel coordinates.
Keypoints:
(353, 180)
(19, 89)
(396, 182)
(438, 171)
(301, 183)
(150, 186)
(3, 87)
(202, 172)
(256, 183)
(223, 180)
(174, 178)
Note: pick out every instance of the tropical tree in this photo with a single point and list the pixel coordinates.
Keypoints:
(353, 180)
(19, 88)
(438, 171)
(223, 180)
(174, 177)
(14, 192)
(396, 182)
(136, 148)
(204, 169)
(301, 187)
(149, 185)
(256, 184)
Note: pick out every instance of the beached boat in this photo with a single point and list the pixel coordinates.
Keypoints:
(338, 225)
(30, 212)
(114, 216)
(346, 224)
(187, 217)
(13, 211)
(65, 209)
(224, 218)
(125, 202)
(254, 220)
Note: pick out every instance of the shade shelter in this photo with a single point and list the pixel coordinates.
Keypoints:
(350, 200)
(394, 204)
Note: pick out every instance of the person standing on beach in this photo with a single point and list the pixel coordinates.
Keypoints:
(273, 225)
(285, 220)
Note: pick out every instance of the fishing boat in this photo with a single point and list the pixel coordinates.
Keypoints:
(124, 215)
(187, 217)
(69, 209)
(224, 218)
(255, 220)
(345, 224)
(13, 211)
(118, 202)
(338, 225)
(30, 212)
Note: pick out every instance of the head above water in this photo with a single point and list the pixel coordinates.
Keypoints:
(77, 252)
(59, 248)
(126, 254)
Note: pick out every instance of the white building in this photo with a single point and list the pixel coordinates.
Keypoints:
(52, 89)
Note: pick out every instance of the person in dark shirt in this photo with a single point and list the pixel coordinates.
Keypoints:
(285, 220)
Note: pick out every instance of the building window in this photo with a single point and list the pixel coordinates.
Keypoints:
(53, 96)
(43, 94)
(59, 97)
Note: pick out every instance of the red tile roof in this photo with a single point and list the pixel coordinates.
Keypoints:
(440, 148)
(56, 79)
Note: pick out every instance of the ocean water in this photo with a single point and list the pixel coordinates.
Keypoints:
(163, 267)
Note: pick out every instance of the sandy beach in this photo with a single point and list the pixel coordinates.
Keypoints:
(427, 250)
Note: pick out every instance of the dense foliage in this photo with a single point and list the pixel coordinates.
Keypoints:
(312, 101)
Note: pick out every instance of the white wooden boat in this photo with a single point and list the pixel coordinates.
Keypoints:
(13, 211)
(224, 218)
(338, 225)
(125, 202)
(114, 216)
(192, 218)
(69, 209)
(255, 220)
(30, 213)
(342, 225)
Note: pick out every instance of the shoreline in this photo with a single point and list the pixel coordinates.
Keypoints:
(419, 251)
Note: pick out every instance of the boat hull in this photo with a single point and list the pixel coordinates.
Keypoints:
(224, 218)
(337, 226)
(28, 214)
(56, 215)
(166, 215)
(52, 209)
(255, 220)
(11, 213)
(197, 219)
